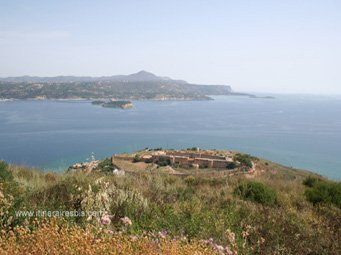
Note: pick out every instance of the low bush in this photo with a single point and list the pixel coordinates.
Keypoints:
(257, 192)
(5, 174)
(11, 196)
(232, 165)
(325, 192)
(310, 181)
(245, 160)
(163, 162)
(106, 165)
(137, 158)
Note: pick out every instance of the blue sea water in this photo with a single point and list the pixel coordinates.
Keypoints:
(300, 131)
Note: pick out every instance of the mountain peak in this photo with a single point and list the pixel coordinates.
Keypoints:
(144, 72)
(144, 75)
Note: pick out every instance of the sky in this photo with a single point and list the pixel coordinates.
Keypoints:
(291, 46)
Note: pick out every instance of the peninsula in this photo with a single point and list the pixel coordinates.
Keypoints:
(138, 86)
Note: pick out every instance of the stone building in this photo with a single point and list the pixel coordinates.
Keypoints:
(202, 160)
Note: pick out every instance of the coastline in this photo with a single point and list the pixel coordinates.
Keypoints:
(159, 98)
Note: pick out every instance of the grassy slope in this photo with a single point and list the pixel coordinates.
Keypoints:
(201, 206)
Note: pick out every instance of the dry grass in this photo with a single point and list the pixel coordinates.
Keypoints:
(130, 166)
(49, 237)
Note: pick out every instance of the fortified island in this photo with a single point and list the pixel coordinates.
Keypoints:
(177, 162)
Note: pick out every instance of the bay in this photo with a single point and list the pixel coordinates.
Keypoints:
(302, 131)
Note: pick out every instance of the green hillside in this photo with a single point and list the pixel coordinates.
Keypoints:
(170, 209)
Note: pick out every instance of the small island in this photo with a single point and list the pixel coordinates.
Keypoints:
(261, 97)
(114, 104)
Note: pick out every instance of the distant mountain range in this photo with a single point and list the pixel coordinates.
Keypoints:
(140, 76)
(141, 85)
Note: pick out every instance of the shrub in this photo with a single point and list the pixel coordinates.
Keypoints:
(245, 160)
(106, 165)
(257, 192)
(157, 149)
(163, 162)
(5, 174)
(109, 198)
(10, 195)
(231, 165)
(149, 160)
(310, 181)
(323, 192)
(137, 158)
(193, 149)
(61, 195)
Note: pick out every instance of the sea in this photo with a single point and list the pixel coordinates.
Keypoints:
(300, 131)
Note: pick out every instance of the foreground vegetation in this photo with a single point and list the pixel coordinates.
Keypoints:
(53, 237)
(277, 211)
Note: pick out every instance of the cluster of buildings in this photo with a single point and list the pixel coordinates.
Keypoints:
(190, 159)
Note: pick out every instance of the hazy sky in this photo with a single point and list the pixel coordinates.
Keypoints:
(256, 45)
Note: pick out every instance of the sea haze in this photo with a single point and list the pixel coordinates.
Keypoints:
(299, 131)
